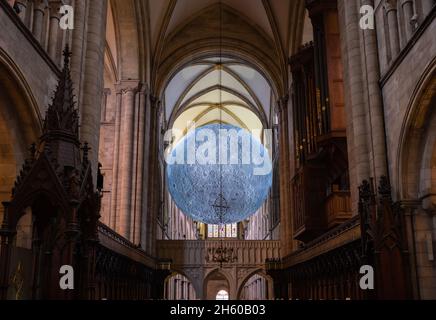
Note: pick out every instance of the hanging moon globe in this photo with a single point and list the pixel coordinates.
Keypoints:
(219, 174)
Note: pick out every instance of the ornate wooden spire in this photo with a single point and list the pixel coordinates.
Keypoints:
(62, 114)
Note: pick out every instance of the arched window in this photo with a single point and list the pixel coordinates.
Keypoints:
(222, 295)
(222, 231)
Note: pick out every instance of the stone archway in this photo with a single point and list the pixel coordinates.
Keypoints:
(20, 124)
(417, 181)
(216, 281)
(268, 282)
(417, 141)
(180, 286)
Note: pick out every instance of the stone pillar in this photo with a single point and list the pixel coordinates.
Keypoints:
(113, 213)
(138, 181)
(394, 37)
(376, 125)
(410, 212)
(78, 48)
(93, 80)
(39, 7)
(153, 189)
(54, 31)
(285, 180)
(356, 113)
(148, 111)
(124, 212)
(407, 6)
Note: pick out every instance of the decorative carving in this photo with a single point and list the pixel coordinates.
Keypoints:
(66, 215)
(383, 239)
(367, 216)
(221, 255)
(62, 114)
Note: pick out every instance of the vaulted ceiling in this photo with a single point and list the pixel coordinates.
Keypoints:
(156, 38)
(221, 90)
(265, 32)
(280, 20)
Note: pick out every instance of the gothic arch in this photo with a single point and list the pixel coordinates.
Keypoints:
(248, 276)
(20, 122)
(417, 153)
(190, 277)
(188, 103)
(223, 276)
(226, 49)
(201, 41)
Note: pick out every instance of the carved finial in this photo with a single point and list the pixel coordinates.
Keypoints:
(62, 114)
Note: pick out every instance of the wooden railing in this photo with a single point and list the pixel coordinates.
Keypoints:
(117, 243)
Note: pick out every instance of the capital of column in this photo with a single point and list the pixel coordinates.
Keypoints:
(404, 2)
(40, 5)
(390, 5)
(54, 7)
(127, 86)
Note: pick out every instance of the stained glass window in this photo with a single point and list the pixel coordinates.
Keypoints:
(223, 231)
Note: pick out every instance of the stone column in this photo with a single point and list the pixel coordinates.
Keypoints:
(356, 113)
(375, 125)
(407, 6)
(149, 106)
(138, 181)
(116, 156)
(93, 79)
(78, 48)
(129, 89)
(54, 31)
(153, 189)
(394, 38)
(39, 7)
(286, 227)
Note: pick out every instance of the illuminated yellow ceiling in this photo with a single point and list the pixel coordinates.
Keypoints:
(217, 90)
